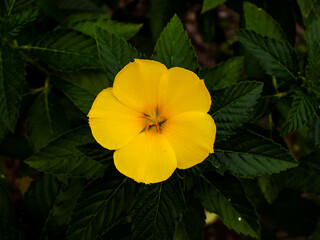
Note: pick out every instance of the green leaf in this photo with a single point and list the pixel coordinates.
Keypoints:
(305, 177)
(46, 119)
(66, 50)
(81, 87)
(48, 205)
(62, 157)
(261, 22)
(313, 33)
(231, 107)
(174, 48)
(277, 57)
(312, 73)
(302, 109)
(87, 26)
(12, 26)
(114, 52)
(11, 86)
(211, 4)
(314, 130)
(269, 187)
(224, 74)
(310, 10)
(8, 7)
(157, 209)
(98, 209)
(225, 197)
(193, 221)
(249, 155)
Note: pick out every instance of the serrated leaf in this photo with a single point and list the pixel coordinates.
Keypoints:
(225, 197)
(309, 11)
(48, 202)
(269, 187)
(305, 177)
(8, 7)
(11, 86)
(224, 74)
(114, 52)
(258, 20)
(231, 107)
(103, 21)
(302, 109)
(12, 26)
(81, 87)
(277, 57)
(157, 209)
(174, 48)
(46, 119)
(97, 152)
(66, 50)
(62, 157)
(98, 209)
(314, 130)
(312, 73)
(211, 4)
(249, 155)
(193, 221)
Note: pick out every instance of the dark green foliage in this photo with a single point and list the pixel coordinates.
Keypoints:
(157, 209)
(231, 107)
(275, 56)
(248, 155)
(11, 86)
(114, 52)
(225, 197)
(173, 47)
(263, 77)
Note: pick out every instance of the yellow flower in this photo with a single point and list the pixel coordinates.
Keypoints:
(156, 119)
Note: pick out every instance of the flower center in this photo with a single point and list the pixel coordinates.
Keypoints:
(154, 120)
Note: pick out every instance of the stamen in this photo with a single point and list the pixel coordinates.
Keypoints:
(157, 126)
(163, 118)
(147, 127)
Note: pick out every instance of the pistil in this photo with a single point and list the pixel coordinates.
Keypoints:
(155, 120)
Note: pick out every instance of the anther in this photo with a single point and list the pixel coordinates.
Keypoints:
(147, 127)
(157, 126)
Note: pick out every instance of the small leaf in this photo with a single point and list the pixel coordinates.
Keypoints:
(269, 187)
(224, 74)
(157, 209)
(305, 177)
(211, 4)
(48, 204)
(87, 26)
(81, 87)
(13, 25)
(277, 57)
(66, 50)
(11, 86)
(302, 109)
(231, 107)
(249, 155)
(62, 157)
(114, 52)
(261, 22)
(174, 48)
(225, 197)
(46, 119)
(193, 221)
(98, 209)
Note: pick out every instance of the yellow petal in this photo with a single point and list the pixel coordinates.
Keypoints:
(113, 124)
(180, 91)
(191, 135)
(149, 158)
(136, 85)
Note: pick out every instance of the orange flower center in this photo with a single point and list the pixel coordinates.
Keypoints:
(154, 120)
